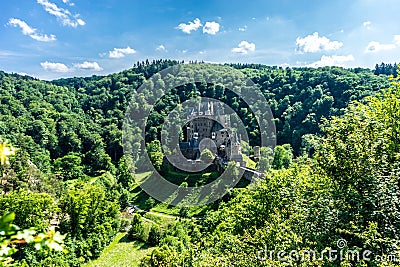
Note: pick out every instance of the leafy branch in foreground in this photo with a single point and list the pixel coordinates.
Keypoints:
(11, 237)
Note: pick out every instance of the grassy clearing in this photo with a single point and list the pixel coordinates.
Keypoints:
(139, 197)
(192, 179)
(121, 253)
(174, 211)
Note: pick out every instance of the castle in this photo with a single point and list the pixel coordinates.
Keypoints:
(209, 121)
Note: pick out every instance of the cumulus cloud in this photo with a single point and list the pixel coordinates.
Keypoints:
(244, 47)
(54, 67)
(64, 15)
(68, 2)
(31, 32)
(211, 27)
(161, 48)
(374, 47)
(396, 39)
(332, 61)
(367, 24)
(242, 29)
(88, 66)
(191, 26)
(121, 52)
(62, 68)
(313, 43)
(23, 73)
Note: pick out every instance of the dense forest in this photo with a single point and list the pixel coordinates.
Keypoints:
(65, 167)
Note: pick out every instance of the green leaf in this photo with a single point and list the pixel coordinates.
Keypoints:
(8, 217)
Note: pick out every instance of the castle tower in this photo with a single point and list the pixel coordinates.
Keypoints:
(256, 152)
(188, 133)
(237, 151)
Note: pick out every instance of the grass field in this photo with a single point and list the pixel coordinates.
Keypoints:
(121, 253)
(138, 196)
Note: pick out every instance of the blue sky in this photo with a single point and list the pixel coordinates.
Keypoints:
(50, 39)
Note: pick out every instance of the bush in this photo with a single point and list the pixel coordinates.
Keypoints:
(154, 235)
(150, 202)
(184, 212)
(124, 198)
(137, 228)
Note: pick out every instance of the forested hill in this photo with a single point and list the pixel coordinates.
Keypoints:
(84, 115)
(299, 97)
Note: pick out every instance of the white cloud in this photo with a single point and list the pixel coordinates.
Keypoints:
(62, 68)
(211, 27)
(43, 37)
(68, 2)
(244, 47)
(242, 29)
(23, 73)
(161, 48)
(121, 52)
(88, 66)
(396, 39)
(31, 32)
(332, 61)
(26, 29)
(64, 15)
(192, 26)
(54, 67)
(374, 47)
(367, 24)
(314, 43)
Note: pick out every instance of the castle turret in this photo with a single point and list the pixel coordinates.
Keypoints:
(236, 153)
(256, 153)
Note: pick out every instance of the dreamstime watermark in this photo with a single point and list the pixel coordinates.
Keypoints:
(154, 90)
(342, 253)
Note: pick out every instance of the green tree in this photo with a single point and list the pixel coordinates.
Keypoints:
(266, 159)
(86, 208)
(136, 231)
(183, 212)
(32, 209)
(283, 157)
(154, 235)
(206, 155)
(156, 156)
(150, 202)
(360, 155)
(69, 167)
(124, 173)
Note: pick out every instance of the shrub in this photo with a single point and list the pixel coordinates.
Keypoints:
(154, 235)
(137, 228)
